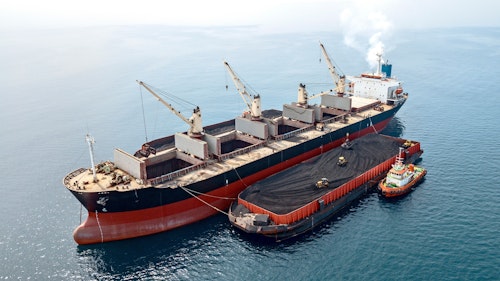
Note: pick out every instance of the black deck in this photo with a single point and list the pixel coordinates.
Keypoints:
(295, 187)
(232, 145)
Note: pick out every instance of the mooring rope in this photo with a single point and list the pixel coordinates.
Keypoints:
(98, 224)
(208, 195)
(371, 123)
(203, 201)
(240, 177)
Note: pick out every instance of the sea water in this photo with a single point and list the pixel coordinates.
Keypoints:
(58, 85)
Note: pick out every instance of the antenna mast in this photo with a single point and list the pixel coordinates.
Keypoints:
(379, 68)
(90, 140)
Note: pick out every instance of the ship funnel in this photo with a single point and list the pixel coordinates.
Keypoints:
(387, 69)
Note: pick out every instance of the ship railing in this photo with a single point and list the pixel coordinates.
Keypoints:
(176, 174)
(240, 151)
(292, 133)
(334, 119)
(72, 175)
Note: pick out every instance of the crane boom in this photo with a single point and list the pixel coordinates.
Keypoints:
(339, 80)
(252, 102)
(321, 94)
(194, 122)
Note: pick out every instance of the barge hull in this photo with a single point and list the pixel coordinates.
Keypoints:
(299, 221)
(283, 232)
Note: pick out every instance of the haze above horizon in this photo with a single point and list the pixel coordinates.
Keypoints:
(268, 16)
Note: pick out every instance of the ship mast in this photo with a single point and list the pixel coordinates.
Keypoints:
(379, 68)
(399, 159)
(252, 102)
(194, 122)
(90, 141)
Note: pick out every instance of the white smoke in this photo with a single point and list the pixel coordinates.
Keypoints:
(365, 31)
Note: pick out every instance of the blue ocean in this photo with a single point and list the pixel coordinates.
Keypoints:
(60, 84)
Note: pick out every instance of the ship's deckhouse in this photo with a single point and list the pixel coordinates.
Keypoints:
(385, 90)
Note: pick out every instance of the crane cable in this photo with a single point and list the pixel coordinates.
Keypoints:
(172, 98)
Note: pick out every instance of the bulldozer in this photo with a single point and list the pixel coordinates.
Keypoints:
(342, 161)
(322, 183)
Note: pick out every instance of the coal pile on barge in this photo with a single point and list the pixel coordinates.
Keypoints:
(296, 186)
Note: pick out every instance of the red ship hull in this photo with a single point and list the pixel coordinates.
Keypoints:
(102, 227)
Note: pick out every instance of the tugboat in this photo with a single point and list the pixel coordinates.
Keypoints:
(401, 178)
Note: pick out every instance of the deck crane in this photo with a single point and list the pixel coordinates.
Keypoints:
(194, 122)
(339, 80)
(252, 102)
(303, 96)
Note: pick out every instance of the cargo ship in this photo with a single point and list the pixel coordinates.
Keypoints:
(401, 178)
(304, 196)
(186, 177)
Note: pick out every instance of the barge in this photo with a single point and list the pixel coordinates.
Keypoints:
(302, 197)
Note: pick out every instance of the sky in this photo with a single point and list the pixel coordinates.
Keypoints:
(267, 15)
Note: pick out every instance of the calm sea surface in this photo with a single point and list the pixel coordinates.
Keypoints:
(57, 85)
